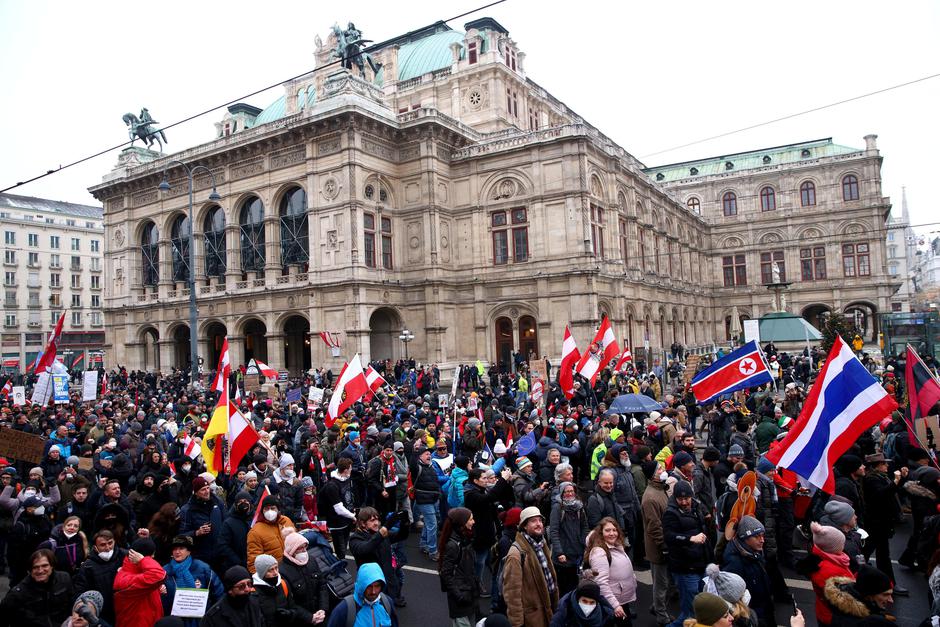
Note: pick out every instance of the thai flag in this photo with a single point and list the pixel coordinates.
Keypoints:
(845, 402)
(741, 369)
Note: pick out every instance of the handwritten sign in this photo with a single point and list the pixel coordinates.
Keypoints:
(21, 446)
(190, 602)
(315, 395)
(42, 390)
(90, 385)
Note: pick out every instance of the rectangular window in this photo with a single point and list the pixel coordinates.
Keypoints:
(54, 242)
(813, 263)
(895, 307)
(656, 252)
(76, 300)
(597, 231)
(76, 281)
(53, 317)
(387, 243)
(10, 299)
(472, 52)
(9, 238)
(500, 247)
(95, 264)
(95, 282)
(70, 223)
(55, 279)
(520, 244)
(767, 266)
(368, 224)
(734, 270)
(96, 318)
(855, 260)
(33, 299)
(33, 259)
(9, 278)
(9, 320)
(623, 240)
(95, 246)
(33, 240)
(76, 318)
(76, 244)
(95, 301)
(55, 300)
(76, 262)
(9, 256)
(32, 279)
(644, 263)
(55, 261)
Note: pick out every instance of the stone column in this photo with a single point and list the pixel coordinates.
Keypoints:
(233, 262)
(236, 349)
(167, 358)
(275, 347)
(272, 243)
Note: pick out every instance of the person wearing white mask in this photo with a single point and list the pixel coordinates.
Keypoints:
(284, 484)
(99, 570)
(267, 537)
(652, 507)
(31, 529)
(69, 544)
(583, 607)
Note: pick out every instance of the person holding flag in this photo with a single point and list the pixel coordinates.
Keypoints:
(599, 353)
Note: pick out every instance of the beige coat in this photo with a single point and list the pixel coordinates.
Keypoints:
(524, 589)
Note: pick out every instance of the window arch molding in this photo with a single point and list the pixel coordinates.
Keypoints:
(251, 216)
(729, 202)
(292, 204)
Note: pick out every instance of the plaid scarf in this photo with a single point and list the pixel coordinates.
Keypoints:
(539, 547)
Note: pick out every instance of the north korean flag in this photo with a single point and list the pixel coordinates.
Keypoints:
(741, 369)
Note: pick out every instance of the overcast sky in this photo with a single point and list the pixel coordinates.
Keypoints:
(650, 75)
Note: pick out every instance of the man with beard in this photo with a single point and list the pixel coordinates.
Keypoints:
(382, 477)
(238, 607)
(530, 592)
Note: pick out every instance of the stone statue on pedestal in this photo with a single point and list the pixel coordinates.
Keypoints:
(775, 272)
(349, 48)
(141, 128)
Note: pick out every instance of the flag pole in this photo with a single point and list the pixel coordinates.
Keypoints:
(931, 453)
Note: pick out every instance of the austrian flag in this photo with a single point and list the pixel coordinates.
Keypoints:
(569, 358)
(374, 379)
(350, 387)
(602, 350)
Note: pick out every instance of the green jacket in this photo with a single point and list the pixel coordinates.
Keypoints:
(765, 433)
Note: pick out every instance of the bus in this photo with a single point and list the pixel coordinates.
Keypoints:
(919, 329)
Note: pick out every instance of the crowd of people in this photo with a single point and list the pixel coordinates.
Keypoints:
(534, 511)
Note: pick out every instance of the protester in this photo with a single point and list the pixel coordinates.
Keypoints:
(612, 569)
(530, 592)
(239, 607)
(583, 607)
(43, 597)
(568, 530)
(368, 603)
(457, 568)
(184, 571)
(137, 587)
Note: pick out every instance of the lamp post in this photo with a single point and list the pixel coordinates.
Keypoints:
(406, 336)
(214, 197)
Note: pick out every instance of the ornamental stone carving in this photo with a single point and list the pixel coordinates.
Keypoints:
(119, 237)
(331, 188)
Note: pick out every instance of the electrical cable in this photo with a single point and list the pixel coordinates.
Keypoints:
(341, 60)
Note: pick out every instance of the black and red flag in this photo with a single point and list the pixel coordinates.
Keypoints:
(923, 389)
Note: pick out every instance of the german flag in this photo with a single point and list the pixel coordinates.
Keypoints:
(923, 389)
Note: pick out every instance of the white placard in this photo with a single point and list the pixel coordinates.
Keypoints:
(190, 602)
(443, 400)
(751, 330)
(42, 390)
(19, 395)
(90, 385)
(315, 395)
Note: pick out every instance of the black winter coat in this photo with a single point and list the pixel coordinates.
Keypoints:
(459, 579)
(601, 504)
(224, 614)
(278, 608)
(27, 534)
(97, 574)
(233, 543)
(879, 488)
(483, 505)
(678, 526)
(750, 567)
(290, 494)
(366, 547)
(567, 532)
(30, 604)
(307, 585)
(195, 514)
(427, 487)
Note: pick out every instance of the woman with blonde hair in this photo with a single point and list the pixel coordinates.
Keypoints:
(612, 569)
(69, 545)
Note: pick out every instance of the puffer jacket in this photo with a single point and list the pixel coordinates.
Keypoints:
(307, 585)
(848, 607)
(766, 512)
(615, 577)
(820, 567)
(266, 537)
(277, 604)
(750, 567)
(137, 593)
(679, 526)
(459, 579)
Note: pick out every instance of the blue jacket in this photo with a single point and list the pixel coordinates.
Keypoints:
(367, 615)
(205, 578)
(455, 491)
(750, 567)
(194, 515)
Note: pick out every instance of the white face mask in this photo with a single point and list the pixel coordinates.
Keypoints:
(106, 555)
(289, 474)
(587, 608)
(30, 492)
(270, 515)
(746, 599)
(69, 535)
(186, 467)
(39, 511)
(663, 476)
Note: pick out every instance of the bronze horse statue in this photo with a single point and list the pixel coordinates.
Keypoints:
(140, 128)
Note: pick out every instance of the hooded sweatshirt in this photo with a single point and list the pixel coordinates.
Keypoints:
(367, 614)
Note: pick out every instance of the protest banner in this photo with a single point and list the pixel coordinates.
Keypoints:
(90, 385)
(21, 446)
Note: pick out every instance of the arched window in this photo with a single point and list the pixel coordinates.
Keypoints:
(768, 201)
(849, 187)
(807, 194)
(695, 205)
(214, 233)
(729, 204)
(251, 224)
(150, 254)
(180, 239)
(295, 249)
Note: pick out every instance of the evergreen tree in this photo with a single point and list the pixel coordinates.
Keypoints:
(836, 324)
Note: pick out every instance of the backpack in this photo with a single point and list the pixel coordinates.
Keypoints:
(499, 601)
(352, 608)
(586, 572)
(889, 448)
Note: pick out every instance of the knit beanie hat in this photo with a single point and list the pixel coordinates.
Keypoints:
(729, 586)
(522, 462)
(459, 516)
(680, 459)
(292, 543)
(233, 575)
(35, 471)
(589, 589)
(709, 608)
(683, 489)
(286, 460)
(828, 539)
(92, 600)
(352, 435)
(749, 527)
(840, 513)
(510, 518)
(736, 451)
(764, 465)
(144, 546)
(199, 483)
(270, 501)
(870, 581)
(847, 464)
(264, 563)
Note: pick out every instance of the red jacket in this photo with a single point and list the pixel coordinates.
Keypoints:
(137, 593)
(829, 566)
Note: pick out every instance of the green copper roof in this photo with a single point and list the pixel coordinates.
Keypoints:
(277, 109)
(427, 54)
(782, 326)
(766, 157)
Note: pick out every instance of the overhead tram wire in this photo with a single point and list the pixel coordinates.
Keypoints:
(794, 115)
(342, 60)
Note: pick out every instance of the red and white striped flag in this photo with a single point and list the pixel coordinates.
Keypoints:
(191, 447)
(625, 357)
(350, 387)
(569, 358)
(224, 369)
(330, 339)
(537, 390)
(374, 380)
(602, 350)
(267, 492)
(266, 370)
(7, 389)
(49, 354)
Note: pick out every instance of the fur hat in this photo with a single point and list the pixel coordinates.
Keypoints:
(264, 563)
(709, 608)
(749, 527)
(729, 586)
(828, 539)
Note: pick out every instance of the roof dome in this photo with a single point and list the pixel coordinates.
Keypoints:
(427, 54)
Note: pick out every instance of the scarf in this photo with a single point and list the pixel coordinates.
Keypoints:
(322, 465)
(746, 552)
(571, 507)
(180, 572)
(539, 548)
